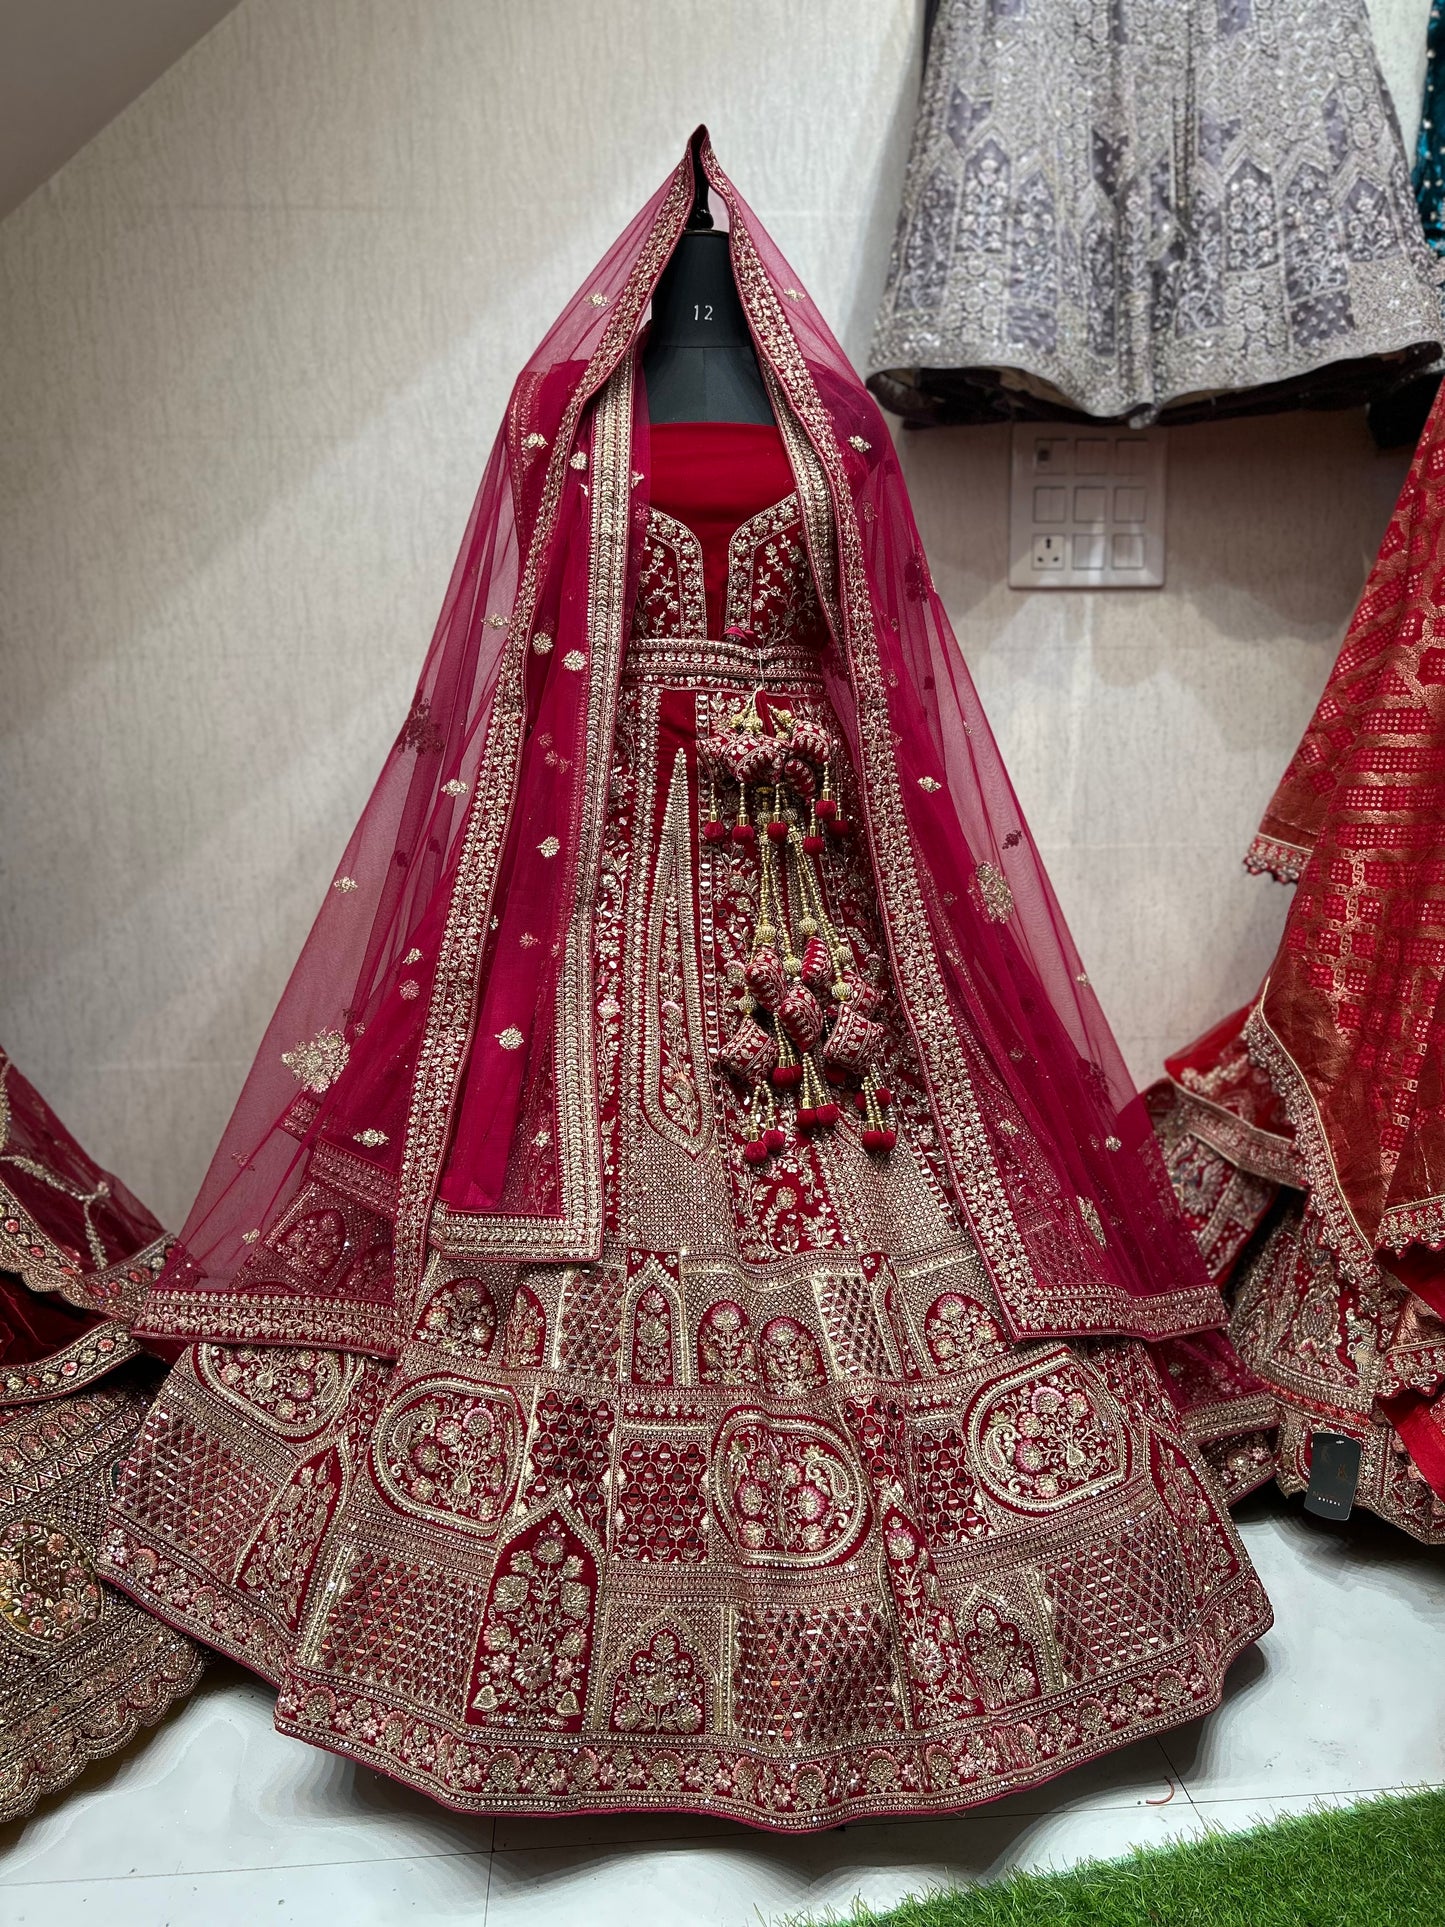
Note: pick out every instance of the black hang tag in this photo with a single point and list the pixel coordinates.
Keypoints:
(1334, 1474)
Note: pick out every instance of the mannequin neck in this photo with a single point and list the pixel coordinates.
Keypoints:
(699, 362)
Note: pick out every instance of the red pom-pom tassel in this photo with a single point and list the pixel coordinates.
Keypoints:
(755, 1151)
(813, 845)
(827, 1113)
(827, 807)
(774, 1138)
(884, 1095)
(841, 825)
(787, 1077)
(714, 832)
(745, 834)
(777, 832)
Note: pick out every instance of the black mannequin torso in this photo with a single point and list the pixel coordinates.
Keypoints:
(699, 363)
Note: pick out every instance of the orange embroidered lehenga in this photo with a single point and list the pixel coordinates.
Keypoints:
(761, 1403)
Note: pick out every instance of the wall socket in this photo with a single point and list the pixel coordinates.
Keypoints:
(1086, 507)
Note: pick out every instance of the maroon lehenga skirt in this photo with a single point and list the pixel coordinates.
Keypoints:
(1337, 1349)
(81, 1667)
(763, 1515)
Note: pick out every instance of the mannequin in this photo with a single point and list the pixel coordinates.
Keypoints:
(699, 361)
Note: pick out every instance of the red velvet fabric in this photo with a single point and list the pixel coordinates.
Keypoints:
(713, 476)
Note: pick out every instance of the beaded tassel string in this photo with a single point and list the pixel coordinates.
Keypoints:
(807, 1022)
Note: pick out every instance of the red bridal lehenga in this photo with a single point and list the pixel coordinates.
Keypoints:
(675, 1313)
(81, 1668)
(1306, 1133)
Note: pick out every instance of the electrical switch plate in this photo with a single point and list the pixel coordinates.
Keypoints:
(1086, 508)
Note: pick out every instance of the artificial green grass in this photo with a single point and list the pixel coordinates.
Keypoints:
(1378, 1864)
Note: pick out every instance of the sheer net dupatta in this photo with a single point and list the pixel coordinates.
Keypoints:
(453, 951)
(311, 1224)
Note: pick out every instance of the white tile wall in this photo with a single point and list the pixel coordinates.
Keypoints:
(254, 343)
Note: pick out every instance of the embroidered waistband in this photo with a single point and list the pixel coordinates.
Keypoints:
(726, 662)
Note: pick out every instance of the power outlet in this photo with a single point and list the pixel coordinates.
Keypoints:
(1086, 508)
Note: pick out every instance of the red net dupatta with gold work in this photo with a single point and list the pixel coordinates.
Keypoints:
(81, 1667)
(333, 1178)
(1351, 1023)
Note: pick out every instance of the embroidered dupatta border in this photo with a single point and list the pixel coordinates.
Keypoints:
(451, 1014)
(76, 1365)
(1337, 1221)
(577, 1234)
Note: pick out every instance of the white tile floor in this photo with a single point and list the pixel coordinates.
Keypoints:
(214, 1818)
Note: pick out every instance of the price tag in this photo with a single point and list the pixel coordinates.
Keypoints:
(1334, 1474)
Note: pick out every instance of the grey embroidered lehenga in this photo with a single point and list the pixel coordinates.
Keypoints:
(1161, 210)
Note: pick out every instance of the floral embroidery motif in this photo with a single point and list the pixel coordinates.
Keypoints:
(278, 1563)
(451, 1451)
(929, 783)
(317, 1065)
(524, 1341)
(959, 1332)
(48, 1588)
(510, 1038)
(939, 1684)
(293, 1392)
(660, 1689)
(791, 1361)
(414, 955)
(534, 440)
(598, 300)
(541, 644)
(370, 1137)
(1047, 1435)
(579, 460)
(574, 659)
(652, 1352)
(536, 1639)
(858, 442)
(671, 600)
(345, 885)
(314, 1242)
(1000, 1656)
(726, 1354)
(461, 1315)
(549, 846)
(456, 787)
(1089, 1212)
(994, 893)
(677, 1097)
(408, 990)
(788, 1490)
(497, 622)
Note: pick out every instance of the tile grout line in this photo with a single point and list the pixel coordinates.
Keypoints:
(227, 1873)
(1175, 1775)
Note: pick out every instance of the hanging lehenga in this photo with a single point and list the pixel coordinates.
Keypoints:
(1171, 210)
(81, 1667)
(1306, 1133)
(676, 1309)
